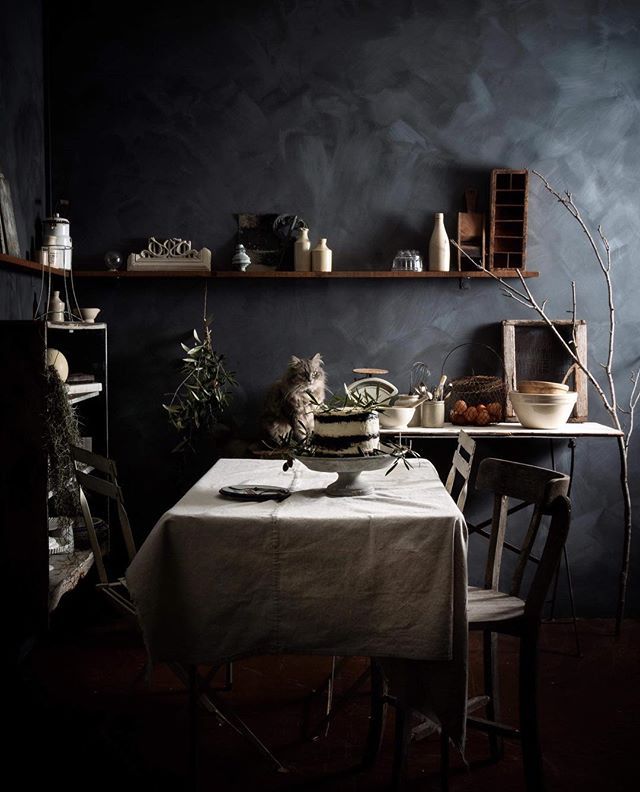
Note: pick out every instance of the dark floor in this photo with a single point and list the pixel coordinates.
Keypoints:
(89, 720)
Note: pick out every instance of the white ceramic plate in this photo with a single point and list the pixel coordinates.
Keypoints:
(375, 387)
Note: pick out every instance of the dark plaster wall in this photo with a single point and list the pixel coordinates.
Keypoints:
(21, 139)
(365, 118)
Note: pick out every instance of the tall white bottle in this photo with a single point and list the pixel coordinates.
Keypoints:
(321, 257)
(439, 251)
(302, 252)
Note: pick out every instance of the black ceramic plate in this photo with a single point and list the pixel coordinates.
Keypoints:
(255, 492)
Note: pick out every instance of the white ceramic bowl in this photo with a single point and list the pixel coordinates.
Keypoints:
(56, 359)
(543, 410)
(407, 400)
(89, 314)
(395, 417)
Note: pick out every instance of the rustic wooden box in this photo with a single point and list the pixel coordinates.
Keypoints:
(508, 219)
(532, 352)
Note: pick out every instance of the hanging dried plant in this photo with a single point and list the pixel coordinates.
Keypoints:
(203, 395)
(61, 434)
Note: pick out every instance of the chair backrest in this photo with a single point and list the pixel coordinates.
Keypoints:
(532, 485)
(86, 462)
(457, 483)
(560, 511)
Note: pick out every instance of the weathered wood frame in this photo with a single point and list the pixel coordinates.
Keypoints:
(510, 354)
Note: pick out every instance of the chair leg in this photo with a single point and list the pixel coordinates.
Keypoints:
(572, 601)
(330, 690)
(492, 689)
(194, 694)
(378, 716)
(401, 747)
(444, 760)
(531, 754)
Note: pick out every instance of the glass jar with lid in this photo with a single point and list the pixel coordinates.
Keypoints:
(407, 261)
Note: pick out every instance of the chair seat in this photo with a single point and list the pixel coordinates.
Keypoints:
(487, 605)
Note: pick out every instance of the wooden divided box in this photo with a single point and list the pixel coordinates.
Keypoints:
(533, 352)
(508, 219)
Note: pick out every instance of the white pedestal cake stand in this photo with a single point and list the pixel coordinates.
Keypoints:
(349, 470)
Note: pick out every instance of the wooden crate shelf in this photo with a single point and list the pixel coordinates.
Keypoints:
(508, 219)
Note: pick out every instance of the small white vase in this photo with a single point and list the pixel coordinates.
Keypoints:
(55, 311)
(302, 252)
(321, 257)
(439, 251)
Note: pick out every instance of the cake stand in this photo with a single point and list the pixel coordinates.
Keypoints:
(349, 470)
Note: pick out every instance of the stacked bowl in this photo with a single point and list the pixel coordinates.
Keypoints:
(543, 405)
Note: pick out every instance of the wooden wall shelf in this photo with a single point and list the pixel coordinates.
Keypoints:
(251, 274)
(400, 275)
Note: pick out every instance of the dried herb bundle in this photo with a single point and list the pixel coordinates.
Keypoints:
(199, 401)
(61, 434)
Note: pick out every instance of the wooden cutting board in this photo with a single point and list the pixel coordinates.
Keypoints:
(471, 232)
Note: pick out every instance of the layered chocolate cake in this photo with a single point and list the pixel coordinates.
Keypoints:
(346, 432)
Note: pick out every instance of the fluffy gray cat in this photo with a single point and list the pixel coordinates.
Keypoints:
(288, 407)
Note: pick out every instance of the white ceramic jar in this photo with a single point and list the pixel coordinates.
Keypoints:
(55, 310)
(321, 257)
(302, 252)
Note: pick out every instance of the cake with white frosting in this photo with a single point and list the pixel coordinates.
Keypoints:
(346, 432)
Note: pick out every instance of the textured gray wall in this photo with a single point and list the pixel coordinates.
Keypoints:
(21, 139)
(365, 118)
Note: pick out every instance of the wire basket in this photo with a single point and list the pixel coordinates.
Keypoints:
(477, 399)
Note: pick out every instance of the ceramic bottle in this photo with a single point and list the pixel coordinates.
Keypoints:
(321, 257)
(439, 252)
(302, 252)
(55, 310)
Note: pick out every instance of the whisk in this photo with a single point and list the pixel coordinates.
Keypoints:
(419, 379)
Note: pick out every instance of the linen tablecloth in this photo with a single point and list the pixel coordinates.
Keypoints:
(383, 575)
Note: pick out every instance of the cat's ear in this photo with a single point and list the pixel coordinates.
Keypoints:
(294, 361)
(317, 359)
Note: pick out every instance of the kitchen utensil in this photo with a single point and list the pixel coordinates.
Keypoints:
(543, 411)
(375, 387)
(432, 413)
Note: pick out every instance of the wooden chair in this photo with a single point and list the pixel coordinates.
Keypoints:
(495, 611)
(457, 483)
(87, 464)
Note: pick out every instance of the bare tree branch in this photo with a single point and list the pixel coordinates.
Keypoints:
(610, 401)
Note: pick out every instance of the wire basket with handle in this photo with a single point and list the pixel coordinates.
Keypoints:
(477, 399)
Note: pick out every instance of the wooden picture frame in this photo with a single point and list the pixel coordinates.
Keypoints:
(532, 351)
(9, 242)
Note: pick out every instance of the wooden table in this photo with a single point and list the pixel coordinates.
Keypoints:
(382, 575)
(507, 430)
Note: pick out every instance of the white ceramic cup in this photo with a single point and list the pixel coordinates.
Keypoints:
(432, 414)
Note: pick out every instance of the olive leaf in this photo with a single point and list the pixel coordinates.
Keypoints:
(205, 391)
